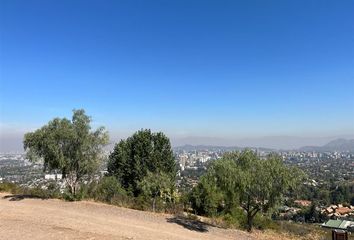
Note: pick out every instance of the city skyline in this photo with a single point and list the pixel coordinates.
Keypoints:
(203, 73)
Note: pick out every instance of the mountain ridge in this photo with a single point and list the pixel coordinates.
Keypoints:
(340, 144)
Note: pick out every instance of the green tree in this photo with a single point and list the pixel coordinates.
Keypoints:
(139, 154)
(313, 214)
(68, 146)
(324, 197)
(206, 198)
(341, 193)
(254, 184)
(157, 186)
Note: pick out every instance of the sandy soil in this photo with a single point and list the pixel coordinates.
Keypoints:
(54, 219)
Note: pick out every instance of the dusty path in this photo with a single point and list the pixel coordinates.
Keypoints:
(54, 219)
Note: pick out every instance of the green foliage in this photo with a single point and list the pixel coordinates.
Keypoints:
(247, 181)
(144, 152)
(331, 193)
(68, 146)
(342, 193)
(142, 203)
(260, 184)
(110, 191)
(158, 187)
(311, 214)
(262, 222)
(52, 190)
(238, 218)
(235, 218)
(324, 197)
(206, 198)
(39, 192)
(8, 187)
(42, 191)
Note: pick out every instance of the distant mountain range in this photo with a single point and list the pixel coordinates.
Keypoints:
(342, 145)
(189, 147)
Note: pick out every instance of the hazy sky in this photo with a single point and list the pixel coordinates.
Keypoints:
(206, 69)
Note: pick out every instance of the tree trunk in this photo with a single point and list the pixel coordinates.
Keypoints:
(72, 188)
(72, 181)
(153, 204)
(249, 221)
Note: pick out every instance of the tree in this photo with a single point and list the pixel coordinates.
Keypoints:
(68, 146)
(144, 152)
(313, 214)
(206, 198)
(324, 197)
(258, 185)
(157, 186)
(341, 193)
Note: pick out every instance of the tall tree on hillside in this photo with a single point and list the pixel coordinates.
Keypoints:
(139, 154)
(68, 146)
(258, 185)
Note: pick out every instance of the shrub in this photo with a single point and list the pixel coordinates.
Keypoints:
(206, 198)
(264, 222)
(235, 218)
(50, 190)
(8, 187)
(142, 203)
(230, 221)
(109, 190)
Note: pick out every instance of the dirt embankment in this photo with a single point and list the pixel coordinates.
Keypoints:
(26, 218)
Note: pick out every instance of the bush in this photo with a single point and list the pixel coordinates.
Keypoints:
(206, 198)
(53, 190)
(236, 218)
(108, 190)
(50, 190)
(81, 194)
(230, 221)
(311, 214)
(142, 203)
(8, 187)
(68, 196)
(264, 222)
(36, 192)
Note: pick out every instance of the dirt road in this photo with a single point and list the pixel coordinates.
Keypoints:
(54, 219)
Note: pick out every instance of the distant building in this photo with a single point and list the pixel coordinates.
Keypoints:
(302, 203)
(339, 224)
(343, 210)
(338, 211)
(53, 176)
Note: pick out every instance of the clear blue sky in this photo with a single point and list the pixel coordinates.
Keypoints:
(191, 68)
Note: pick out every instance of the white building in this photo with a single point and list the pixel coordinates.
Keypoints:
(53, 176)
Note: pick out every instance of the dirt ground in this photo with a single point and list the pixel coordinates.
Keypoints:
(28, 218)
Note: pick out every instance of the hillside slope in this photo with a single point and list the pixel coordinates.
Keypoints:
(54, 219)
(341, 145)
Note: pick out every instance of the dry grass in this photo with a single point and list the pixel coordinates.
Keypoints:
(315, 234)
(272, 235)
